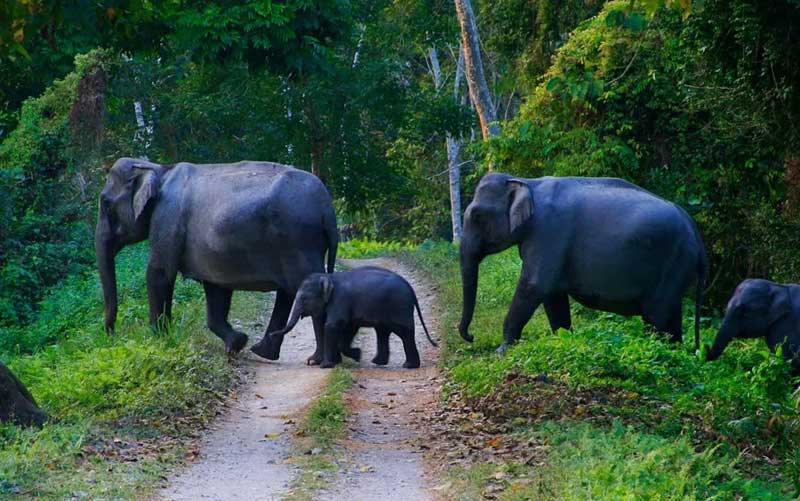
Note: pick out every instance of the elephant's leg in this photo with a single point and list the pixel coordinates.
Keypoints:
(270, 346)
(160, 286)
(557, 309)
(218, 304)
(382, 351)
(319, 336)
(346, 341)
(331, 355)
(409, 346)
(526, 300)
(667, 319)
(280, 311)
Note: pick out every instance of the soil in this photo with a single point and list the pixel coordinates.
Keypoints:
(242, 456)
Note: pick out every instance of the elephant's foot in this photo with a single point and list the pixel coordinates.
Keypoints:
(327, 364)
(235, 343)
(411, 364)
(381, 360)
(354, 353)
(263, 350)
(315, 359)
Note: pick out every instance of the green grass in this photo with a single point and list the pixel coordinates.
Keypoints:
(731, 413)
(362, 248)
(323, 424)
(111, 398)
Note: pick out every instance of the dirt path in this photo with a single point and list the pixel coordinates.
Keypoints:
(381, 456)
(242, 456)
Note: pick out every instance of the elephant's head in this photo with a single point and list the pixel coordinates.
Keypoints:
(123, 218)
(496, 219)
(311, 299)
(754, 308)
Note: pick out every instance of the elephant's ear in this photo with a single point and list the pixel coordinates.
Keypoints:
(327, 287)
(148, 188)
(520, 208)
(780, 306)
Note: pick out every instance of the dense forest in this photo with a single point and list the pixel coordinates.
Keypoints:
(698, 101)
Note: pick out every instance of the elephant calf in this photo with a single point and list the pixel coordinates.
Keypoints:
(760, 308)
(363, 297)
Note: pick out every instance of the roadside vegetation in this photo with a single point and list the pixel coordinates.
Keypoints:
(613, 410)
(316, 436)
(120, 406)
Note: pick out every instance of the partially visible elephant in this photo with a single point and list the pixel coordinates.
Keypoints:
(246, 226)
(760, 308)
(363, 297)
(609, 244)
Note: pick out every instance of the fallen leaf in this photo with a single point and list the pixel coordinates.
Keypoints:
(272, 435)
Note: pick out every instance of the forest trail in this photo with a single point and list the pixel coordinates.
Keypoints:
(242, 456)
(381, 459)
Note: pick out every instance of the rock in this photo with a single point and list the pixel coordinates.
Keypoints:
(16, 403)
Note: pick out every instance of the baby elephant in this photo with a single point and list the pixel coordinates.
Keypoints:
(363, 297)
(760, 308)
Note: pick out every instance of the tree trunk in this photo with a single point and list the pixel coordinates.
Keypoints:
(452, 145)
(476, 80)
(317, 139)
(16, 403)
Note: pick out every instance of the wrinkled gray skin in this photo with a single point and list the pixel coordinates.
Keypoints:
(246, 226)
(606, 242)
(760, 308)
(364, 297)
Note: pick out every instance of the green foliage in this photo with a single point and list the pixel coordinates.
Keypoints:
(658, 96)
(135, 384)
(744, 399)
(362, 248)
(44, 192)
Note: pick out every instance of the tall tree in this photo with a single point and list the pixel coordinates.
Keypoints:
(476, 80)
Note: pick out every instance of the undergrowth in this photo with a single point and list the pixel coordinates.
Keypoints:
(363, 248)
(108, 395)
(741, 407)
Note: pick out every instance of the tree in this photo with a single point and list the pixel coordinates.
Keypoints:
(476, 80)
(452, 144)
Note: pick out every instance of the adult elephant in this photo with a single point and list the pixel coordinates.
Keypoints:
(606, 242)
(246, 226)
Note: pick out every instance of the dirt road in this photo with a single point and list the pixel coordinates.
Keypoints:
(243, 456)
(381, 457)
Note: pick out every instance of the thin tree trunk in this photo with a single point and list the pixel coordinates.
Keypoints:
(476, 80)
(452, 145)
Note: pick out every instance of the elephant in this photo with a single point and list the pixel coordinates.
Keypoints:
(760, 308)
(362, 297)
(608, 243)
(256, 226)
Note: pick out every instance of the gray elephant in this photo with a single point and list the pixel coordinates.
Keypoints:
(363, 297)
(760, 308)
(609, 244)
(246, 226)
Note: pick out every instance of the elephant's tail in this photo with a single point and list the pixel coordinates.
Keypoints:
(424, 327)
(332, 235)
(702, 276)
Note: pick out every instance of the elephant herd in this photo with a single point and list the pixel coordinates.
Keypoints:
(263, 226)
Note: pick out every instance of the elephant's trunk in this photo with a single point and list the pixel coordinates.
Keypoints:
(106, 249)
(470, 262)
(294, 317)
(726, 333)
